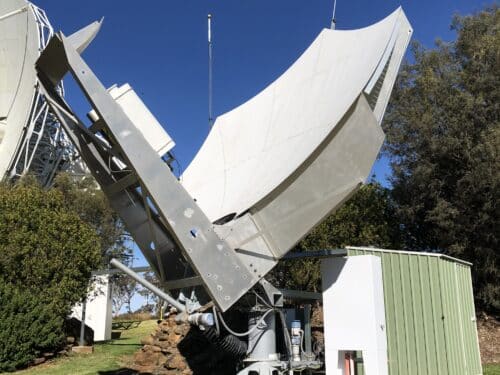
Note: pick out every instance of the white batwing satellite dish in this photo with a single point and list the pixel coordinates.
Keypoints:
(269, 171)
(255, 147)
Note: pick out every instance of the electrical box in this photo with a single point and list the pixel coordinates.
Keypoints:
(141, 117)
(353, 310)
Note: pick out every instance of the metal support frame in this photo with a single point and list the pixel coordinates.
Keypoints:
(318, 254)
(273, 294)
(307, 328)
(162, 217)
(262, 339)
(82, 323)
(44, 148)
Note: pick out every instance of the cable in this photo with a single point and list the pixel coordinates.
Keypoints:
(229, 343)
(306, 354)
(22, 69)
(242, 334)
(217, 328)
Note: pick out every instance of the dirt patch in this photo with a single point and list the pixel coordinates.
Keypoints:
(488, 331)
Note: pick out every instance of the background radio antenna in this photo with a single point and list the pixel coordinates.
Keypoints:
(334, 21)
(210, 114)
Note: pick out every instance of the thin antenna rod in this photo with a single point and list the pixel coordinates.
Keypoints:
(334, 21)
(210, 114)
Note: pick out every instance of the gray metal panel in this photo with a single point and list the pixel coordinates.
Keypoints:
(325, 180)
(336, 169)
(83, 37)
(125, 205)
(224, 276)
(54, 64)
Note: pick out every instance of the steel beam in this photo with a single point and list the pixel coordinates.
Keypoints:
(146, 284)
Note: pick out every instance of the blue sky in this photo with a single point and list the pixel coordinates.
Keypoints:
(160, 48)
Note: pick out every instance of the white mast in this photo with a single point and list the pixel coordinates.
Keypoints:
(210, 115)
(334, 21)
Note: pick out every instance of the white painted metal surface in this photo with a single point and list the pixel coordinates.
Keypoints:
(18, 53)
(141, 117)
(354, 313)
(254, 148)
(98, 310)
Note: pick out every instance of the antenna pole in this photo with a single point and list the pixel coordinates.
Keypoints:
(334, 21)
(210, 115)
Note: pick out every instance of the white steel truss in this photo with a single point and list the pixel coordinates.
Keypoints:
(44, 148)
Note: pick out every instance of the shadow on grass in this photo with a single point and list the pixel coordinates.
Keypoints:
(121, 371)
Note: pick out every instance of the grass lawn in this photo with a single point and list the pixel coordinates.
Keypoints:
(110, 357)
(491, 369)
(107, 358)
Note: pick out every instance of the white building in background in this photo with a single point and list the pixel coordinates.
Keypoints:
(98, 308)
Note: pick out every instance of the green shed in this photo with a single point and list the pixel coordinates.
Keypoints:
(429, 311)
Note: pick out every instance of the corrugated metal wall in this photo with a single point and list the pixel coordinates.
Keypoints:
(430, 317)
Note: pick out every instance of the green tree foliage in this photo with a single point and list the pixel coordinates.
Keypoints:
(443, 138)
(84, 197)
(29, 326)
(44, 246)
(367, 219)
(47, 253)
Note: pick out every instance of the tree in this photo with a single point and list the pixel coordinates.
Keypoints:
(28, 327)
(118, 292)
(130, 289)
(44, 246)
(152, 300)
(47, 254)
(367, 219)
(124, 289)
(443, 140)
(84, 197)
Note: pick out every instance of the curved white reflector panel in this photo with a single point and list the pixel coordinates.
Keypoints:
(252, 149)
